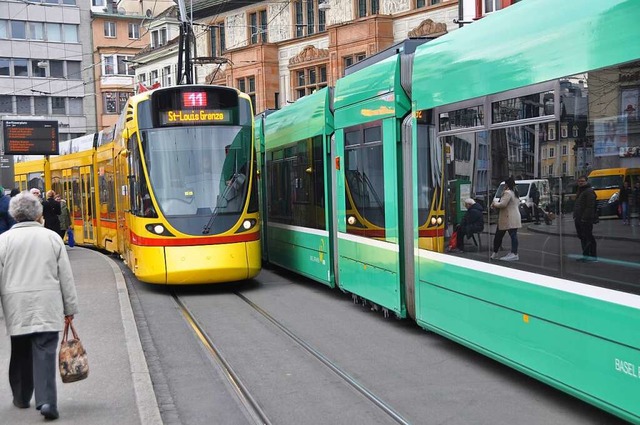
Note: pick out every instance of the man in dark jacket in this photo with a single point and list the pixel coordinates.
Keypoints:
(584, 214)
(472, 222)
(50, 211)
(6, 221)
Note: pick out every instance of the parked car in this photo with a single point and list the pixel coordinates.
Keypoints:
(523, 187)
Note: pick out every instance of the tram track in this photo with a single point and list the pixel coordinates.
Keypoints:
(246, 399)
(251, 406)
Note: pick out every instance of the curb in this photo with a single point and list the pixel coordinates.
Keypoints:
(148, 410)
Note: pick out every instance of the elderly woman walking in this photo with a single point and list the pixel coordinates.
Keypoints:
(509, 220)
(35, 299)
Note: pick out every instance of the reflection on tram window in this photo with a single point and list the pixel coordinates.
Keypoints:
(597, 137)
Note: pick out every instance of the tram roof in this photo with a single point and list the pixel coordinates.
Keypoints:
(527, 43)
(307, 117)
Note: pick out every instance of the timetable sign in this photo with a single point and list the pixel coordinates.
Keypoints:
(24, 137)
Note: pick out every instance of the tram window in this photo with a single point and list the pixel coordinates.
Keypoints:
(364, 178)
(296, 177)
(601, 107)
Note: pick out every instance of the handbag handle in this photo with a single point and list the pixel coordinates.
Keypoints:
(65, 335)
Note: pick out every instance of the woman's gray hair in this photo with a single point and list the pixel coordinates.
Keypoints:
(25, 207)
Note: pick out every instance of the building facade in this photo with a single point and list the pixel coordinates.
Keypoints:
(46, 63)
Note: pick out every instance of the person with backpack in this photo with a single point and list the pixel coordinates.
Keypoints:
(584, 217)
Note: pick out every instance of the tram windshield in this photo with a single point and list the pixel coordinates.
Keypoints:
(198, 171)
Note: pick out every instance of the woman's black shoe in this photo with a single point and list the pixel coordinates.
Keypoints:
(19, 404)
(49, 411)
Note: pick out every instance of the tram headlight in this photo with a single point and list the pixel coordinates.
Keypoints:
(614, 197)
(439, 220)
(247, 224)
(351, 220)
(433, 221)
(158, 229)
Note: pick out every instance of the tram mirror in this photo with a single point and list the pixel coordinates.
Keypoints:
(309, 170)
(124, 153)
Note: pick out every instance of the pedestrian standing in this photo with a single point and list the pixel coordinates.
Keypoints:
(6, 221)
(51, 211)
(584, 215)
(509, 220)
(64, 218)
(36, 302)
(623, 198)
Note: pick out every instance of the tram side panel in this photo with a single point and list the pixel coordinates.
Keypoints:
(297, 182)
(551, 314)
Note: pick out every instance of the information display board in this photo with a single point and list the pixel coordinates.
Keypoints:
(24, 137)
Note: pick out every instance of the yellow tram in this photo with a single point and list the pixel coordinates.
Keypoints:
(172, 187)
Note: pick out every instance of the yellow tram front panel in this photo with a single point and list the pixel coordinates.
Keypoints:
(196, 264)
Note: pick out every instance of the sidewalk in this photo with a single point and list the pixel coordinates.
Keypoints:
(118, 389)
(606, 229)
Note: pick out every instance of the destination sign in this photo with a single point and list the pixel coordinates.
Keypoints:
(197, 116)
(22, 137)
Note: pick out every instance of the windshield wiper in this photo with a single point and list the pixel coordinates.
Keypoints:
(222, 199)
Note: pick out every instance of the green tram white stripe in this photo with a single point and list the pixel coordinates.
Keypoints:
(565, 285)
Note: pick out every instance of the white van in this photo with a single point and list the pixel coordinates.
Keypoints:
(523, 187)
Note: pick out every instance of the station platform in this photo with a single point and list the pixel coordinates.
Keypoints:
(118, 389)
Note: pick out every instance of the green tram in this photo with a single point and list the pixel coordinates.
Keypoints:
(364, 184)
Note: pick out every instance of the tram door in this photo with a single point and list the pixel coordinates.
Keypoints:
(87, 207)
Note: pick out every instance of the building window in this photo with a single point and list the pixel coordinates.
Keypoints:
(216, 38)
(115, 102)
(23, 105)
(248, 85)
(54, 32)
(75, 106)
(142, 78)
(564, 149)
(153, 77)
(36, 30)
(350, 60)
(56, 69)
(158, 37)
(550, 170)
(564, 168)
(166, 76)
(41, 105)
(423, 3)
(19, 30)
(70, 33)
(38, 68)
(258, 27)
(20, 68)
(74, 70)
(489, 6)
(564, 131)
(97, 2)
(109, 63)
(4, 29)
(110, 103)
(109, 29)
(309, 19)
(6, 104)
(575, 131)
(134, 31)
(5, 66)
(368, 7)
(552, 132)
(552, 152)
(308, 80)
(58, 106)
